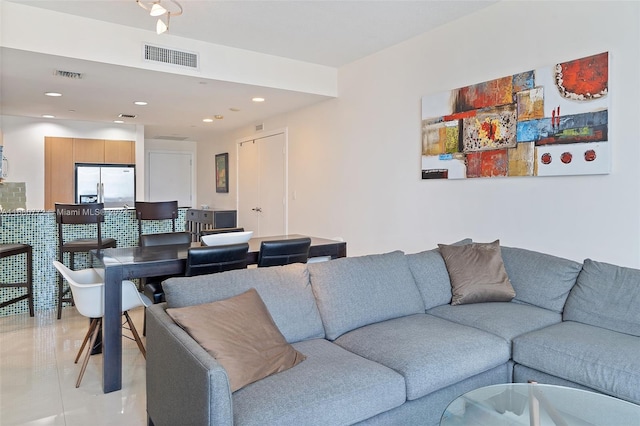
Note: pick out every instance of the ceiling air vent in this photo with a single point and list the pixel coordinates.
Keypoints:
(170, 56)
(68, 74)
(127, 115)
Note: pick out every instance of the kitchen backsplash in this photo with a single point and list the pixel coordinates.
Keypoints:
(13, 195)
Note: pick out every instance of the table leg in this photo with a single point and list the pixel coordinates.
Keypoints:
(112, 330)
(534, 408)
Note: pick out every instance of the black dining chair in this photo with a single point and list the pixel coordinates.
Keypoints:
(69, 215)
(204, 260)
(156, 210)
(284, 252)
(152, 286)
(213, 259)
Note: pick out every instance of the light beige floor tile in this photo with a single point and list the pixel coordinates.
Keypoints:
(38, 375)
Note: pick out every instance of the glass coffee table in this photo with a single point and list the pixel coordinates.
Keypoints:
(536, 405)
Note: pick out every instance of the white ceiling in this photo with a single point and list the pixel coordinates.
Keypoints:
(330, 33)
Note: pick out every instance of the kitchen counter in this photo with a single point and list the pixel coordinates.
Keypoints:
(38, 229)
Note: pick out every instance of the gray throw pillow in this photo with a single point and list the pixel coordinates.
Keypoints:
(477, 273)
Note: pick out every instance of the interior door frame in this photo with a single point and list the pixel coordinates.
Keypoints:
(261, 135)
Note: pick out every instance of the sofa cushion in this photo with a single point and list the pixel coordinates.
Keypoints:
(241, 335)
(431, 276)
(601, 359)
(606, 296)
(477, 273)
(504, 319)
(540, 279)
(331, 387)
(285, 290)
(430, 353)
(356, 291)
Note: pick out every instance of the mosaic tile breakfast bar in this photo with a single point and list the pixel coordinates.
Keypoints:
(38, 228)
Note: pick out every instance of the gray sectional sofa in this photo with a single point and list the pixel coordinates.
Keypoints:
(385, 347)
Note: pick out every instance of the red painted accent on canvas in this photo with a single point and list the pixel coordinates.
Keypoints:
(546, 158)
(566, 157)
(584, 78)
(488, 163)
(459, 115)
(589, 155)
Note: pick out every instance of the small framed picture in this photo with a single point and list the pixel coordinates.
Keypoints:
(222, 172)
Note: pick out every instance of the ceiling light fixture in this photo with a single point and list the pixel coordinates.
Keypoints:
(257, 99)
(140, 103)
(208, 120)
(48, 116)
(53, 94)
(156, 8)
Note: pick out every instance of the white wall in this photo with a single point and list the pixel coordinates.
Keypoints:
(24, 147)
(355, 160)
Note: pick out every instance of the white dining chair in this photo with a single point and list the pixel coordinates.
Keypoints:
(226, 238)
(87, 287)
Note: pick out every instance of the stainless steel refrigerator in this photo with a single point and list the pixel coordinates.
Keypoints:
(111, 184)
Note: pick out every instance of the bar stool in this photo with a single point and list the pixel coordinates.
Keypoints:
(7, 250)
(78, 214)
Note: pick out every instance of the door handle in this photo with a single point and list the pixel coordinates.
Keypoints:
(257, 209)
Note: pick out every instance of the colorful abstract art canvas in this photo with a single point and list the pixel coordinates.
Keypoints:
(551, 121)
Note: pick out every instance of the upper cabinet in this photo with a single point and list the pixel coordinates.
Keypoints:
(88, 151)
(119, 152)
(61, 155)
(103, 151)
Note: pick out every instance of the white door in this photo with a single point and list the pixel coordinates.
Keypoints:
(170, 177)
(262, 185)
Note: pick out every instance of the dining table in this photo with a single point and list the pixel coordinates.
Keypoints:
(139, 262)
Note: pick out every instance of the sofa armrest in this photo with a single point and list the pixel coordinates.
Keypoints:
(185, 385)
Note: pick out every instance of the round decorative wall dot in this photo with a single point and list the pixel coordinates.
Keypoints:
(546, 158)
(566, 157)
(589, 155)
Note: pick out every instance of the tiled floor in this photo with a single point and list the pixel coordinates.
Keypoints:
(37, 374)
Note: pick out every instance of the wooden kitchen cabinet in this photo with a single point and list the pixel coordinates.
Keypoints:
(88, 151)
(119, 152)
(58, 171)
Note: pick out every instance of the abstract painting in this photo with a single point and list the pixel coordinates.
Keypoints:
(222, 172)
(552, 121)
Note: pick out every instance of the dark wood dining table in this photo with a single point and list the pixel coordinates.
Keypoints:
(139, 262)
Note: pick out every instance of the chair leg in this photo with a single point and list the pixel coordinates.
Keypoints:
(86, 357)
(30, 281)
(92, 327)
(60, 295)
(136, 336)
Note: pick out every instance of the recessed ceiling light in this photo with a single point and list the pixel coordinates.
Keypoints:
(257, 99)
(53, 94)
(141, 103)
(218, 117)
(208, 120)
(118, 121)
(48, 116)
(234, 109)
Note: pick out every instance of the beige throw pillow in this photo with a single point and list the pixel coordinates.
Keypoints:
(241, 335)
(477, 273)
